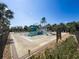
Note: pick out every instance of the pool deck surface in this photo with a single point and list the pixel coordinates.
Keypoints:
(24, 43)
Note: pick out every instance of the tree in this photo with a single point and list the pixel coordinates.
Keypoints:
(49, 27)
(19, 28)
(71, 27)
(62, 27)
(5, 16)
(54, 27)
(25, 28)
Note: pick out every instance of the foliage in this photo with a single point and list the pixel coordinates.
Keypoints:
(17, 29)
(70, 27)
(66, 50)
(5, 16)
(25, 28)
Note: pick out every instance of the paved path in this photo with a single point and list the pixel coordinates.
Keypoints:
(14, 54)
(23, 43)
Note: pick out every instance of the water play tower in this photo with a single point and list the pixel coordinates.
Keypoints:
(38, 29)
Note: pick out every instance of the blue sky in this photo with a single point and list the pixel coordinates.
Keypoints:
(27, 12)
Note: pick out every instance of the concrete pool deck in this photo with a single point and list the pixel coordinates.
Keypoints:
(24, 43)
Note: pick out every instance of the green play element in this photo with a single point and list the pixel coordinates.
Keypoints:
(33, 28)
(35, 31)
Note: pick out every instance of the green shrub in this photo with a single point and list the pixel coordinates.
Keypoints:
(66, 50)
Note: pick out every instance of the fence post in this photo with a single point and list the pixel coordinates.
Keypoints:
(29, 52)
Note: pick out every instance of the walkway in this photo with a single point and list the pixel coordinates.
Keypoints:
(22, 44)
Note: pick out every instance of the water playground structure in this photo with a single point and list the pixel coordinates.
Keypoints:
(38, 29)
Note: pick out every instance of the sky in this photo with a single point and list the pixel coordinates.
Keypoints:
(28, 12)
